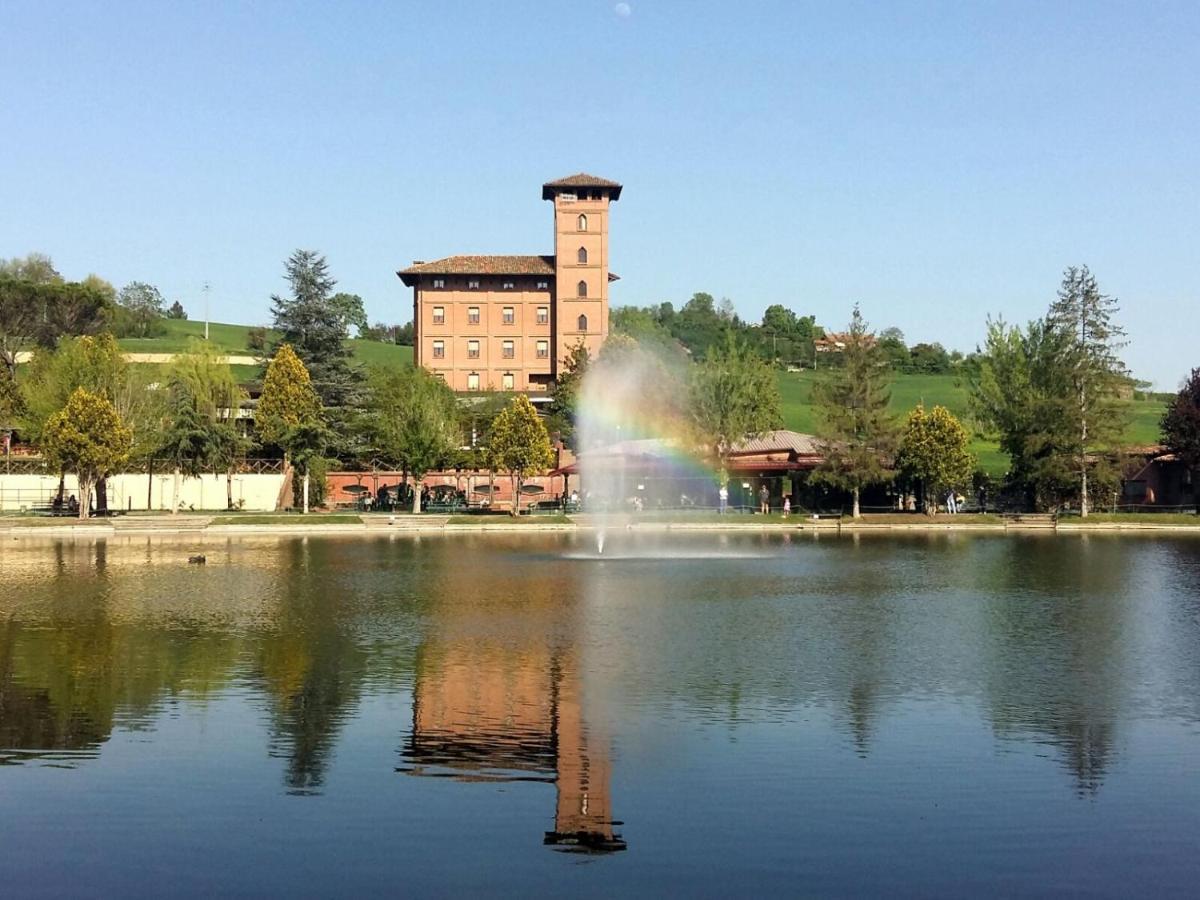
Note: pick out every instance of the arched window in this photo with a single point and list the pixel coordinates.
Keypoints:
(582, 222)
(582, 255)
(582, 291)
(582, 323)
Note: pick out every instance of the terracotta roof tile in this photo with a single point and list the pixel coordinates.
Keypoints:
(580, 179)
(480, 265)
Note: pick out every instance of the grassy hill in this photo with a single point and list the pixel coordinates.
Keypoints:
(234, 340)
(950, 392)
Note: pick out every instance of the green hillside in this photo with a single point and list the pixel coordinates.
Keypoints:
(234, 340)
(950, 392)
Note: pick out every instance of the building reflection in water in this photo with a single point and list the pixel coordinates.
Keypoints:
(510, 706)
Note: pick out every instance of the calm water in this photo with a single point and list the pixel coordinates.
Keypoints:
(917, 716)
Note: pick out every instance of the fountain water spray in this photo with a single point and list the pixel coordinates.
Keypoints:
(629, 408)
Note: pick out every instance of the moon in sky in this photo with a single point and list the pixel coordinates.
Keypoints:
(623, 10)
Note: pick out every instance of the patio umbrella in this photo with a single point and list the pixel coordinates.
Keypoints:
(356, 489)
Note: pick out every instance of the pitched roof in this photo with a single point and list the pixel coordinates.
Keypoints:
(479, 265)
(580, 179)
(775, 441)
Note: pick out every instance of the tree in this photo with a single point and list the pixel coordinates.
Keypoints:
(12, 405)
(289, 414)
(733, 395)
(416, 421)
(520, 444)
(176, 311)
(350, 308)
(934, 450)
(563, 409)
(93, 362)
(37, 314)
(857, 433)
(1082, 316)
(1022, 395)
(779, 319)
(37, 268)
(315, 329)
(1181, 424)
(202, 434)
(87, 438)
(142, 308)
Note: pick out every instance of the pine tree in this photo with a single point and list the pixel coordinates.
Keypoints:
(1181, 424)
(857, 433)
(1083, 318)
(316, 329)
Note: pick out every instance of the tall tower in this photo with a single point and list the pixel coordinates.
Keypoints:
(580, 310)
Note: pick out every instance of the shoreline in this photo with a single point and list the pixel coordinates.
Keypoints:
(198, 526)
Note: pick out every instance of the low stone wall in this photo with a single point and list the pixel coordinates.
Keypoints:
(134, 492)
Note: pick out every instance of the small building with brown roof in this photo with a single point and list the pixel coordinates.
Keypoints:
(507, 323)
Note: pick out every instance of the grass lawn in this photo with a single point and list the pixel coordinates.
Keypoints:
(31, 520)
(1144, 518)
(494, 519)
(233, 340)
(298, 519)
(948, 391)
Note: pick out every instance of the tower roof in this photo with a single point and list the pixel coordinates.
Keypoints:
(578, 180)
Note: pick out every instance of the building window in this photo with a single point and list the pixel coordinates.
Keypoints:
(508, 350)
(582, 323)
(439, 282)
(543, 285)
(509, 381)
(543, 315)
(543, 349)
(472, 315)
(582, 256)
(473, 381)
(439, 349)
(440, 376)
(581, 289)
(473, 284)
(509, 315)
(439, 315)
(472, 349)
(582, 223)
(508, 285)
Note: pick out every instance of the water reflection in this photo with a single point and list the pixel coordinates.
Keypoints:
(523, 666)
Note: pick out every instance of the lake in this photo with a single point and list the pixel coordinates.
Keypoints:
(933, 715)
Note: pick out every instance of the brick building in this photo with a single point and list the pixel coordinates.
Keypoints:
(508, 322)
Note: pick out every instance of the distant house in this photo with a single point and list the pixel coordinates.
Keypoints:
(835, 342)
(1154, 477)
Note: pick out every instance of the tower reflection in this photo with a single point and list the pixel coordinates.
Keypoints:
(498, 695)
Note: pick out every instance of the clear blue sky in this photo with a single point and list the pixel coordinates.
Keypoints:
(934, 161)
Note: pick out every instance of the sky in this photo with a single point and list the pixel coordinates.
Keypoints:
(936, 163)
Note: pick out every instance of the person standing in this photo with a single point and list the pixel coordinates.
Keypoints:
(722, 499)
(764, 500)
(951, 504)
(787, 506)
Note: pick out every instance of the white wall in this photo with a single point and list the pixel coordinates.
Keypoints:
(129, 492)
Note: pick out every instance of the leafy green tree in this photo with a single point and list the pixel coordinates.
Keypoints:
(315, 329)
(934, 449)
(1083, 318)
(350, 308)
(1022, 396)
(37, 268)
(93, 362)
(930, 359)
(780, 319)
(1181, 424)
(12, 405)
(520, 444)
(563, 409)
(289, 414)
(415, 420)
(87, 438)
(202, 433)
(39, 313)
(176, 311)
(141, 308)
(733, 395)
(858, 435)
